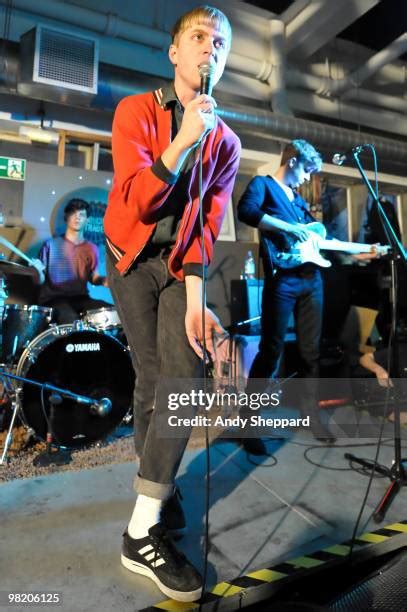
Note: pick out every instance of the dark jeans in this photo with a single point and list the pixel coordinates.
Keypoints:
(152, 306)
(283, 294)
(68, 309)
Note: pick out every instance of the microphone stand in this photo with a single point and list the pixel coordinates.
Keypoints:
(397, 473)
(49, 456)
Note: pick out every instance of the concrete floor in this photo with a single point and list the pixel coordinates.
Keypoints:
(62, 533)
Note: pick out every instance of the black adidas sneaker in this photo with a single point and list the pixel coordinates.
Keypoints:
(156, 557)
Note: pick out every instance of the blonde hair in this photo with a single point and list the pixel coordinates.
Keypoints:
(202, 14)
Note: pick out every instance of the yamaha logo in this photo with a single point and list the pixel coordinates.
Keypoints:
(83, 348)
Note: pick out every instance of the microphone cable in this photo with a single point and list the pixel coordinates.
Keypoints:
(205, 380)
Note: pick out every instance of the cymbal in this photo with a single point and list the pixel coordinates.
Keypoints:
(10, 268)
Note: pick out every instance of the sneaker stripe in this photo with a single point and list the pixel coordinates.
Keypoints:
(145, 549)
(153, 555)
(158, 563)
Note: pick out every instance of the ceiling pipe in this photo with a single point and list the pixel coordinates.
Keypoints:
(115, 83)
(112, 91)
(281, 126)
(318, 85)
(370, 67)
(111, 25)
(108, 24)
(294, 78)
(336, 109)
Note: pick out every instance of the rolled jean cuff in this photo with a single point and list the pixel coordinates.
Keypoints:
(149, 488)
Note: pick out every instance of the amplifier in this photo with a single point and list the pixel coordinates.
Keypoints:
(246, 297)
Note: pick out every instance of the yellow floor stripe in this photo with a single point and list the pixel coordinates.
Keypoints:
(267, 575)
(374, 538)
(338, 549)
(175, 606)
(305, 562)
(398, 527)
(224, 589)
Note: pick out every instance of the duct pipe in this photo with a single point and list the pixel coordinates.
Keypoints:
(318, 85)
(370, 67)
(391, 74)
(120, 28)
(107, 24)
(262, 71)
(116, 83)
(281, 126)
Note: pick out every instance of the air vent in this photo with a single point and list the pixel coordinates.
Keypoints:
(52, 58)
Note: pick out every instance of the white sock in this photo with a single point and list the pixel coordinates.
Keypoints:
(146, 513)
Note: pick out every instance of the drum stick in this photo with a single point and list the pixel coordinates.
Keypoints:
(15, 249)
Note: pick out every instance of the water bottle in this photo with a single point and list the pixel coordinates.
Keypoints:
(249, 266)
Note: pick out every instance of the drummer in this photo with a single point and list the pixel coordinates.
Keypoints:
(70, 262)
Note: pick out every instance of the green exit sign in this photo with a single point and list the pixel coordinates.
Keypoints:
(12, 168)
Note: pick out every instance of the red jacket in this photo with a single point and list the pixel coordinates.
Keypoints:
(141, 132)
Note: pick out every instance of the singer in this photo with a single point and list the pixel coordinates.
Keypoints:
(155, 268)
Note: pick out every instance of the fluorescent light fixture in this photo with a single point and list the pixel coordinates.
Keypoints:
(38, 135)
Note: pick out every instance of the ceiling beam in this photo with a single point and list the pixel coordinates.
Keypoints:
(318, 22)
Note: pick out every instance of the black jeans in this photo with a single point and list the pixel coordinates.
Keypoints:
(283, 294)
(152, 305)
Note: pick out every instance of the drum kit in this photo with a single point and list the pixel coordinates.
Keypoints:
(71, 385)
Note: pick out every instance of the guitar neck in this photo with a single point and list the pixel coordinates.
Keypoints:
(346, 247)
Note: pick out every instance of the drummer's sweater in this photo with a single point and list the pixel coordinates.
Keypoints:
(142, 184)
(69, 267)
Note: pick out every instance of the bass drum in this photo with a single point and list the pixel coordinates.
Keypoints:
(85, 362)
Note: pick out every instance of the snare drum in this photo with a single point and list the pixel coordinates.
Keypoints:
(86, 362)
(20, 325)
(102, 318)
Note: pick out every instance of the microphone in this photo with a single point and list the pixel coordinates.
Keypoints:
(100, 407)
(339, 158)
(206, 72)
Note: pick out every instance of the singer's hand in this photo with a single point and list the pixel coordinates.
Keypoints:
(193, 328)
(198, 120)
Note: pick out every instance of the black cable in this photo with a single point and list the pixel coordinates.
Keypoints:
(44, 409)
(271, 457)
(203, 305)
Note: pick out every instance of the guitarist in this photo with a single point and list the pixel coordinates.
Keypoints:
(273, 205)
